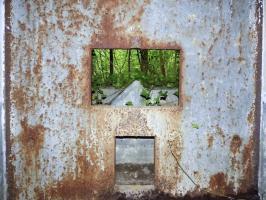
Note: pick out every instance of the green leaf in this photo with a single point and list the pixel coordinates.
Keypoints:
(129, 103)
(163, 95)
(145, 93)
(157, 101)
(148, 103)
(194, 125)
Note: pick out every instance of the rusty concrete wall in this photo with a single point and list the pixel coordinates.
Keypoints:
(2, 113)
(60, 147)
(263, 155)
(262, 165)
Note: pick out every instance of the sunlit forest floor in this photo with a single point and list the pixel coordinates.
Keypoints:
(135, 77)
(136, 95)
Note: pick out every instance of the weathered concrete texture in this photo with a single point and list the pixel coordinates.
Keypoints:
(262, 174)
(2, 157)
(2, 124)
(134, 161)
(263, 154)
(61, 147)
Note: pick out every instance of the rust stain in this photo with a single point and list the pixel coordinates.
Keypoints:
(19, 96)
(28, 74)
(247, 181)
(87, 180)
(72, 73)
(219, 183)
(85, 81)
(235, 144)
(85, 3)
(251, 115)
(177, 146)
(12, 188)
(133, 123)
(210, 141)
(32, 139)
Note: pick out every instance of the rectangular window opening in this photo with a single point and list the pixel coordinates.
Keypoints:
(134, 163)
(135, 77)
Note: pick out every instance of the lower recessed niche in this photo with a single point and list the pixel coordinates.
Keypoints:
(134, 163)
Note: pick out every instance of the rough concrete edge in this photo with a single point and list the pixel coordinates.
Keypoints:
(7, 49)
(262, 181)
(3, 185)
(258, 89)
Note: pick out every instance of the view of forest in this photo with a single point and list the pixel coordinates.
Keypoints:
(116, 69)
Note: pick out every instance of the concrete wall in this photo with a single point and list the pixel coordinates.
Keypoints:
(263, 155)
(2, 124)
(262, 174)
(60, 147)
(134, 150)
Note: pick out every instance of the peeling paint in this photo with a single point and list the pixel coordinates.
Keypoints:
(64, 146)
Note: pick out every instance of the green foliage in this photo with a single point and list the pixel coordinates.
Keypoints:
(145, 93)
(98, 95)
(153, 102)
(156, 101)
(176, 93)
(161, 68)
(129, 103)
(194, 125)
(163, 95)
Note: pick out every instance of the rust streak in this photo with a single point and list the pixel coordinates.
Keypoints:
(235, 144)
(210, 141)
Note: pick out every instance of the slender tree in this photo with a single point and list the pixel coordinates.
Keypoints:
(144, 60)
(162, 63)
(129, 63)
(111, 56)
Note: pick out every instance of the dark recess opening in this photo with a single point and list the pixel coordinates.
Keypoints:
(134, 163)
(135, 77)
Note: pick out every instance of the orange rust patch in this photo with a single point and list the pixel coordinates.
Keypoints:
(86, 77)
(12, 180)
(87, 180)
(31, 138)
(210, 141)
(251, 116)
(177, 147)
(28, 73)
(19, 97)
(218, 183)
(235, 144)
(248, 169)
(72, 73)
(133, 123)
(85, 3)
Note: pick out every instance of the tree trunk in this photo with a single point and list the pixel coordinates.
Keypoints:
(139, 59)
(162, 64)
(111, 55)
(129, 63)
(144, 58)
